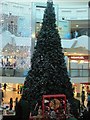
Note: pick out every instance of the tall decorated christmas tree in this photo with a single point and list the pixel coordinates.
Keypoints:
(48, 73)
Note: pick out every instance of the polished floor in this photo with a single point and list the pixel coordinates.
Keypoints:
(9, 93)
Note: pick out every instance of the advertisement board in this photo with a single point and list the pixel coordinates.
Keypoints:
(64, 29)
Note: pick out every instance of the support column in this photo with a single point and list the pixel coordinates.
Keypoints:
(69, 66)
(78, 90)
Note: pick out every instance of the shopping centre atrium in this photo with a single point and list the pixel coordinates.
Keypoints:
(20, 23)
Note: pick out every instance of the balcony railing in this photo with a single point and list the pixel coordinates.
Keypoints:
(79, 72)
(22, 72)
(11, 72)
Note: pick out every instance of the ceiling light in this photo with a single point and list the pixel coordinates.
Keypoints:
(17, 50)
(33, 35)
(2, 20)
(77, 25)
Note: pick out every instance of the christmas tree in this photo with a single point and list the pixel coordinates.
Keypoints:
(48, 73)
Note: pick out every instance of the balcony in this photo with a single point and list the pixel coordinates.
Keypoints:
(79, 72)
(11, 72)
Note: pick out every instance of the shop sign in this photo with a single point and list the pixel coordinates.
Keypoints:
(78, 57)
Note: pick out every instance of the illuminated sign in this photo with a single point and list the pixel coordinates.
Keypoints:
(78, 57)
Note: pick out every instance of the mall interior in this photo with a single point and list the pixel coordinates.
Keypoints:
(20, 22)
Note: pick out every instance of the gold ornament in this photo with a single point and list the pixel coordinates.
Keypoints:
(54, 104)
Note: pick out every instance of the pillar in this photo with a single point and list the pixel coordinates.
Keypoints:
(78, 90)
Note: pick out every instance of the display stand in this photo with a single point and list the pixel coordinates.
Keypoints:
(55, 102)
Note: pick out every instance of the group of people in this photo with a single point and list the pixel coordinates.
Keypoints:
(23, 113)
(85, 109)
(82, 113)
(2, 96)
(11, 103)
(83, 97)
(20, 89)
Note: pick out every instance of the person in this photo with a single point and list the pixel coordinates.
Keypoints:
(88, 101)
(21, 89)
(3, 69)
(11, 103)
(86, 115)
(1, 96)
(18, 110)
(52, 114)
(5, 85)
(83, 97)
(47, 112)
(22, 110)
(14, 69)
(0, 86)
(76, 110)
(16, 102)
(75, 34)
(18, 89)
(39, 111)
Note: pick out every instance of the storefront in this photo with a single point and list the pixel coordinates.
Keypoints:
(79, 66)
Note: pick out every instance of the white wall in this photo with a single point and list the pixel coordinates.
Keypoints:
(12, 80)
(22, 79)
(80, 79)
(46, 0)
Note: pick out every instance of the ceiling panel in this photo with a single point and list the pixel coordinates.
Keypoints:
(18, 1)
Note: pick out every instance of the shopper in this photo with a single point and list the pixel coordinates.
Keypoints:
(1, 96)
(52, 114)
(11, 103)
(22, 110)
(86, 115)
(19, 112)
(83, 97)
(5, 85)
(18, 89)
(16, 102)
(75, 34)
(88, 101)
(0, 86)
